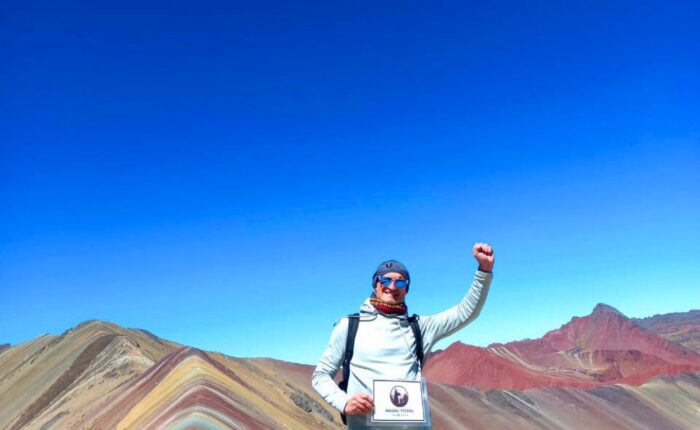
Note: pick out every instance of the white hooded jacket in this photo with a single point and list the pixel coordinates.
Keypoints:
(385, 348)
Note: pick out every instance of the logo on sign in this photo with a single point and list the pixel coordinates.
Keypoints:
(398, 396)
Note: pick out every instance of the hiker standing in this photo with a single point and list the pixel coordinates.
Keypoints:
(384, 346)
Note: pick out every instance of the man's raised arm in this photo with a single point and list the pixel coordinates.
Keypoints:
(438, 326)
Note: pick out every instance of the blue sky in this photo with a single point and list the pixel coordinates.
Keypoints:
(228, 175)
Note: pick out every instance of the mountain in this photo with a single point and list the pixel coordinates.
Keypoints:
(190, 380)
(679, 327)
(604, 347)
(73, 369)
(103, 376)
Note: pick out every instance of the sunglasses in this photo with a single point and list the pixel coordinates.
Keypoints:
(400, 283)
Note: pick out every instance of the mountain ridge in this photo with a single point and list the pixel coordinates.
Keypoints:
(600, 348)
(99, 375)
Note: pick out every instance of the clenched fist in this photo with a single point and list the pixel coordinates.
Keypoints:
(484, 255)
(359, 403)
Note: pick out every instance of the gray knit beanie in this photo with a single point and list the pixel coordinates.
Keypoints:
(388, 267)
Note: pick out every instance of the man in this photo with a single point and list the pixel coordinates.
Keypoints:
(385, 346)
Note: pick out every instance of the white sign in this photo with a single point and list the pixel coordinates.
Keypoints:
(398, 401)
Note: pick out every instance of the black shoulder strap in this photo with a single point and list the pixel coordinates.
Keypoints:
(413, 321)
(353, 322)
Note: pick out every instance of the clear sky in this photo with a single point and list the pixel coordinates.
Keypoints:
(228, 175)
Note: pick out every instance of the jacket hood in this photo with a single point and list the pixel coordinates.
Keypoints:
(366, 308)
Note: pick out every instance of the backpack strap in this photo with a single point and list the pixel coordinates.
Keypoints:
(353, 323)
(413, 321)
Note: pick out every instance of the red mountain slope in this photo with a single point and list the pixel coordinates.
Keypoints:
(604, 347)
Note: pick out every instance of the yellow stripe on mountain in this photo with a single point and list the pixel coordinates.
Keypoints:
(189, 372)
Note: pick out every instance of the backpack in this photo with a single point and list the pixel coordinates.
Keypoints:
(353, 323)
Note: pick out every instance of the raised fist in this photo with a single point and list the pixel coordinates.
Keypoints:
(484, 255)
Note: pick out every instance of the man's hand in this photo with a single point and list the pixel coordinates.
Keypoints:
(484, 255)
(359, 403)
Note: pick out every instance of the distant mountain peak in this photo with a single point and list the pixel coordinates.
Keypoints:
(92, 324)
(603, 309)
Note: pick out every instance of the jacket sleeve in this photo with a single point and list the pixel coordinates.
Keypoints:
(438, 326)
(328, 365)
